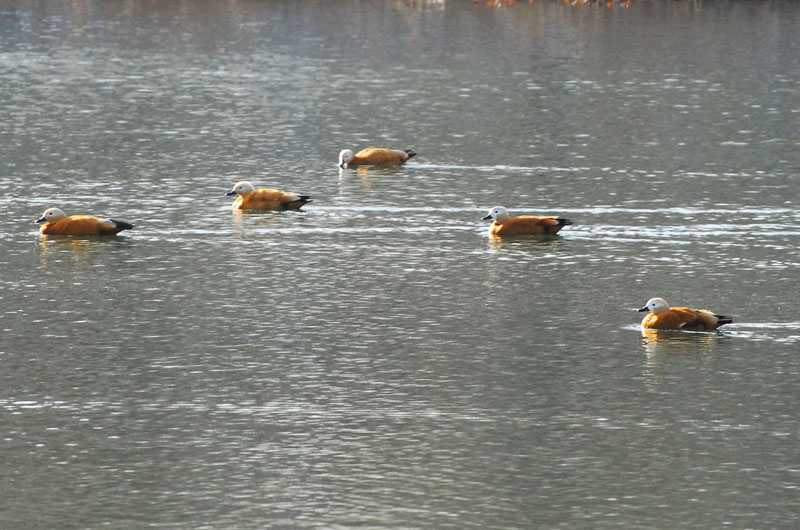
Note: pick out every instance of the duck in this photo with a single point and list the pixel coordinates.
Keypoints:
(56, 222)
(662, 316)
(374, 156)
(505, 225)
(250, 198)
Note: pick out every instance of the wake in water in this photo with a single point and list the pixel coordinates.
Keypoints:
(500, 167)
(779, 332)
(783, 332)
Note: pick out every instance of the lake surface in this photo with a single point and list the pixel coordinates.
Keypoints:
(377, 360)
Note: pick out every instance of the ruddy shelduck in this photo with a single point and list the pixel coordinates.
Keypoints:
(374, 156)
(56, 222)
(505, 225)
(250, 198)
(662, 316)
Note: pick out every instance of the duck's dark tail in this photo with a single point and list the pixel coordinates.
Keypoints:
(122, 225)
(553, 229)
(410, 153)
(299, 202)
(723, 320)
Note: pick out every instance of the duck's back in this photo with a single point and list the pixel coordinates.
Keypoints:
(378, 156)
(84, 225)
(269, 199)
(684, 318)
(528, 225)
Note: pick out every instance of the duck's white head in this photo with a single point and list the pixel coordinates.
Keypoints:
(655, 305)
(241, 188)
(51, 215)
(498, 213)
(345, 157)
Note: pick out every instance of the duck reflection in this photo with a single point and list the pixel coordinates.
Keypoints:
(660, 342)
(498, 242)
(368, 174)
(55, 248)
(241, 219)
(257, 216)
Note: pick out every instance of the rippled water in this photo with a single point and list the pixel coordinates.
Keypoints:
(377, 360)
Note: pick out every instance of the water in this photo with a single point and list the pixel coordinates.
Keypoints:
(377, 360)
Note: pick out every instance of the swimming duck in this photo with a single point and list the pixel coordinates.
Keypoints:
(374, 156)
(662, 316)
(250, 198)
(56, 222)
(505, 225)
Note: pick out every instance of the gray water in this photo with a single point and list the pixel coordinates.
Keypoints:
(376, 360)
